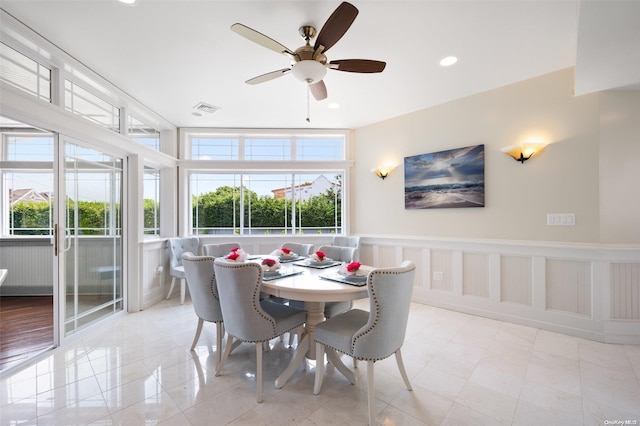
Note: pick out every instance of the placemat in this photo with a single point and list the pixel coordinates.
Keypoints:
(308, 264)
(293, 259)
(280, 275)
(359, 282)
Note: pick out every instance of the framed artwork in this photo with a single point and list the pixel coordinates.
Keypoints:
(445, 179)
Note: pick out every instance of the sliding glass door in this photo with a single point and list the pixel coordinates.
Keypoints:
(91, 241)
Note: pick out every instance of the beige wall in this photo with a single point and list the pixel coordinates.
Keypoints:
(620, 167)
(564, 178)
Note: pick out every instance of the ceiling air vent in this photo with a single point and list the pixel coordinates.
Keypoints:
(202, 107)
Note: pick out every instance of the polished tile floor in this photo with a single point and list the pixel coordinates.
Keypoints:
(465, 370)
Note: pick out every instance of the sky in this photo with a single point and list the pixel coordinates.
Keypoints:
(445, 167)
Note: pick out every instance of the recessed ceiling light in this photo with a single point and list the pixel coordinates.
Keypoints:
(127, 1)
(448, 61)
(333, 105)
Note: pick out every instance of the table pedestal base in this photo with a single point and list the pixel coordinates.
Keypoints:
(306, 346)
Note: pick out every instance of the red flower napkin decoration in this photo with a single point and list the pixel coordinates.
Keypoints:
(353, 266)
(269, 262)
(320, 255)
(285, 250)
(237, 254)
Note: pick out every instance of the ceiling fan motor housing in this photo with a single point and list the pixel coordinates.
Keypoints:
(308, 67)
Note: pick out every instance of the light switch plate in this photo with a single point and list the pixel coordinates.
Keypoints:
(561, 219)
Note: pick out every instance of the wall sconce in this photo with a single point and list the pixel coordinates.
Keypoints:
(524, 151)
(383, 171)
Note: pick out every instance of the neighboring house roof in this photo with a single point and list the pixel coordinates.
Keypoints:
(281, 192)
(17, 195)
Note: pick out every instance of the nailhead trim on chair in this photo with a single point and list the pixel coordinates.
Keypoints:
(213, 279)
(256, 292)
(375, 321)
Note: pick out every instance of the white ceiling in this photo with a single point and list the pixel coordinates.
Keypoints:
(171, 55)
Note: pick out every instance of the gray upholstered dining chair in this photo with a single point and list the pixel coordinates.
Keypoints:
(246, 317)
(348, 241)
(178, 246)
(373, 335)
(201, 280)
(342, 254)
(299, 248)
(219, 250)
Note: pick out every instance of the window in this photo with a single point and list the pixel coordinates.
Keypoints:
(26, 180)
(277, 190)
(298, 148)
(266, 203)
(143, 133)
(87, 105)
(151, 202)
(213, 148)
(24, 73)
(265, 149)
(30, 202)
(319, 149)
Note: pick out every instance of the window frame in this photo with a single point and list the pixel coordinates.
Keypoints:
(188, 165)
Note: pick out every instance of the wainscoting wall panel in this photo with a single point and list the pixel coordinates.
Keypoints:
(568, 286)
(155, 285)
(30, 266)
(516, 280)
(590, 290)
(475, 274)
(442, 270)
(625, 291)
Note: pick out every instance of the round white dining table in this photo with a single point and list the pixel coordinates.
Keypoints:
(314, 291)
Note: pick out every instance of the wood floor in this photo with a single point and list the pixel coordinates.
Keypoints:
(26, 327)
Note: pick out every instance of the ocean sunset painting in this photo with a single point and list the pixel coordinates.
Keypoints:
(445, 179)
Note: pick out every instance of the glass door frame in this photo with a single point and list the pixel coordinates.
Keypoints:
(62, 237)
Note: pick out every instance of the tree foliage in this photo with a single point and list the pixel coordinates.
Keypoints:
(218, 209)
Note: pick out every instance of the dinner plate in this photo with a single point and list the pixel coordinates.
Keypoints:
(358, 276)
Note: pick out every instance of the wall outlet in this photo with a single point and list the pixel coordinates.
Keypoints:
(159, 270)
(438, 276)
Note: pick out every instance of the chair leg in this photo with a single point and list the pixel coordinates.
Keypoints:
(219, 333)
(198, 331)
(182, 290)
(259, 370)
(403, 372)
(293, 333)
(225, 355)
(371, 393)
(319, 368)
(173, 283)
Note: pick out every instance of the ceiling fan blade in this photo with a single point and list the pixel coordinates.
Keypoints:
(268, 76)
(336, 26)
(318, 90)
(261, 39)
(357, 65)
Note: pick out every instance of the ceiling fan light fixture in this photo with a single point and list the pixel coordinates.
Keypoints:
(309, 71)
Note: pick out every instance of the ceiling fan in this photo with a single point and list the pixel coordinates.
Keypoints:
(309, 63)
